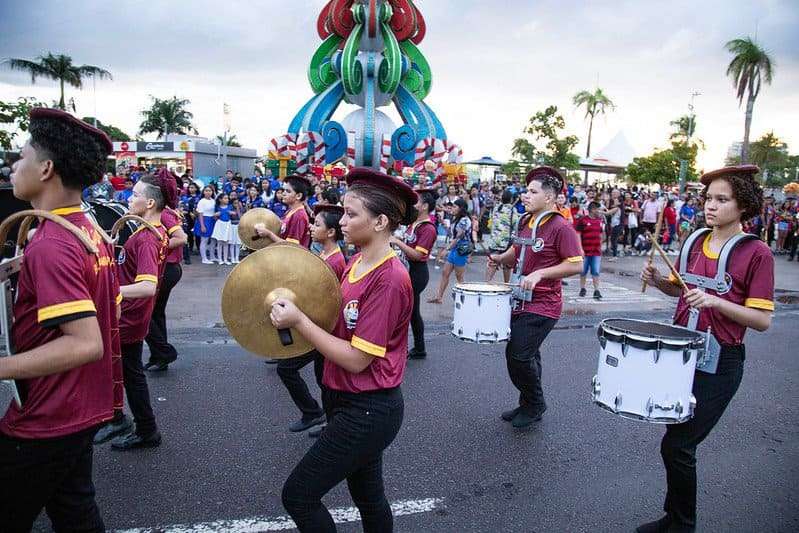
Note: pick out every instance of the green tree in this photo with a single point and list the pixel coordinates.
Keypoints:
(229, 141)
(114, 133)
(595, 103)
(771, 155)
(662, 167)
(57, 67)
(167, 116)
(547, 147)
(14, 117)
(750, 65)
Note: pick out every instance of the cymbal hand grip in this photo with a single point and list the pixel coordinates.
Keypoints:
(285, 337)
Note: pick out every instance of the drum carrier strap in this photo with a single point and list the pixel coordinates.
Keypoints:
(519, 295)
(721, 284)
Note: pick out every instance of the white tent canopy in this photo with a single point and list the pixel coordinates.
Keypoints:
(616, 155)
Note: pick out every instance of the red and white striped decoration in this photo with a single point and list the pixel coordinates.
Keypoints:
(385, 153)
(284, 146)
(455, 153)
(439, 151)
(421, 153)
(304, 157)
(350, 149)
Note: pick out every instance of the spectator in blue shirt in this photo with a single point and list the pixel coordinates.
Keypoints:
(123, 196)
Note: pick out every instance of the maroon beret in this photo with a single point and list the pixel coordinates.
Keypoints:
(745, 170)
(330, 208)
(38, 113)
(368, 176)
(544, 172)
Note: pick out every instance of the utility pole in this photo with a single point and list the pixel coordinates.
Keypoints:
(684, 163)
(226, 127)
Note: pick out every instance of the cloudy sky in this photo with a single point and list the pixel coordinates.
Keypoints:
(494, 62)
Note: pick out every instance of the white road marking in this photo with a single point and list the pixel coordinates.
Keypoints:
(611, 293)
(283, 523)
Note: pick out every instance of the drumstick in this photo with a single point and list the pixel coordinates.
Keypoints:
(654, 238)
(674, 272)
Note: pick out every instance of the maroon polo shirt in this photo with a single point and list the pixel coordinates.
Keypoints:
(336, 261)
(61, 281)
(142, 259)
(295, 227)
(172, 222)
(375, 314)
(421, 236)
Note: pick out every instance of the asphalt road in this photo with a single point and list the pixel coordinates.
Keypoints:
(226, 449)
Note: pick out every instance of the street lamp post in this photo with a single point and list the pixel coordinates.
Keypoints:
(684, 162)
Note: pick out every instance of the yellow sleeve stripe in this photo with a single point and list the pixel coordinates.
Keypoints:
(423, 250)
(759, 303)
(173, 229)
(295, 241)
(68, 308)
(368, 347)
(575, 259)
(119, 298)
(146, 277)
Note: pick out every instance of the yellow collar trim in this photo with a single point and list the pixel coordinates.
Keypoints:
(334, 252)
(355, 279)
(64, 211)
(532, 220)
(290, 213)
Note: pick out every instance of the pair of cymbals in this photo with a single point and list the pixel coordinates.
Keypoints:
(279, 271)
(247, 224)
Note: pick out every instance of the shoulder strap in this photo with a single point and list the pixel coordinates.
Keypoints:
(540, 218)
(688, 245)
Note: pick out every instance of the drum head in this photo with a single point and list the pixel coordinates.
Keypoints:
(482, 288)
(654, 330)
(10, 204)
(107, 213)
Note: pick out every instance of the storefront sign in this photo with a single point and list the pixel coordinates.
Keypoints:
(155, 147)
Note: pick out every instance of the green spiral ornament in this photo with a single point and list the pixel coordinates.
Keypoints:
(321, 74)
(419, 79)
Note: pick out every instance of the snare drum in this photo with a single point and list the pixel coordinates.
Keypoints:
(482, 312)
(646, 370)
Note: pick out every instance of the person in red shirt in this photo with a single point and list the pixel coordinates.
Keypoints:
(365, 360)
(670, 222)
(590, 229)
(732, 195)
(555, 255)
(65, 334)
(296, 222)
(325, 231)
(162, 353)
(419, 239)
(141, 270)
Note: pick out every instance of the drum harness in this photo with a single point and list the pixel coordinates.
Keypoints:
(520, 295)
(721, 283)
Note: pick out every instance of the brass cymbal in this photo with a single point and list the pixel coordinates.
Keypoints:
(247, 232)
(278, 271)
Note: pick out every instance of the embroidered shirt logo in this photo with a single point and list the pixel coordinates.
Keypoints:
(351, 314)
(538, 245)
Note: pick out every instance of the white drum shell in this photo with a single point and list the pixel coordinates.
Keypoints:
(482, 313)
(650, 385)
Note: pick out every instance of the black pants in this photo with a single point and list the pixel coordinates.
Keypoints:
(136, 389)
(420, 276)
(289, 372)
(359, 428)
(54, 474)
(160, 349)
(713, 393)
(523, 356)
(616, 233)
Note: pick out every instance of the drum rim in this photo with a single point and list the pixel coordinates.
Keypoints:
(692, 336)
(495, 288)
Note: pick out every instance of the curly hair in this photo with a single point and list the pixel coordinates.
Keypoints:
(747, 193)
(78, 157)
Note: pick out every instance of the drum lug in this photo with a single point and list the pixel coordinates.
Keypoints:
(457, 305)
(463, 298)
(686, 355)
(624, 348)
(602, 340)
(617, 401)
(650, 405)
(678, 408)
(692, 405)
(596, 387)
(657, 352)
(479, 300)
(460, 331)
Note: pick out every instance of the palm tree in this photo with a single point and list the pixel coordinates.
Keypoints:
(749, 67)
(596, 103)
(57, 67)
(231, 141)
(167, 116)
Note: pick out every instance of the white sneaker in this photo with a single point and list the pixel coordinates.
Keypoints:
(207, 262)
(228, 263)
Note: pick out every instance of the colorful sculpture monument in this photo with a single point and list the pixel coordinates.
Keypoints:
(369, 57)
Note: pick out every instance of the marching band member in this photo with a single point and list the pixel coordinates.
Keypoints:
(162, 353)
(416, 245)
(555, 255)
(731, 196)
(141, 271)
(326, 231)
(65, 324)
(365, 361)
(295, 222)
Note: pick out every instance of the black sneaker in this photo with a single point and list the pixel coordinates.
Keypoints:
(524, 420)
(658, 526)
(271, 361)
(134, 441)
(597, 295)
(316, 432)
(417, 354)
(582, 293)
(306, 423)
(113, 430)
(507, 416)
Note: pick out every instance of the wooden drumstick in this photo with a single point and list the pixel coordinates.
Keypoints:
(674, 272)
(654, 239)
